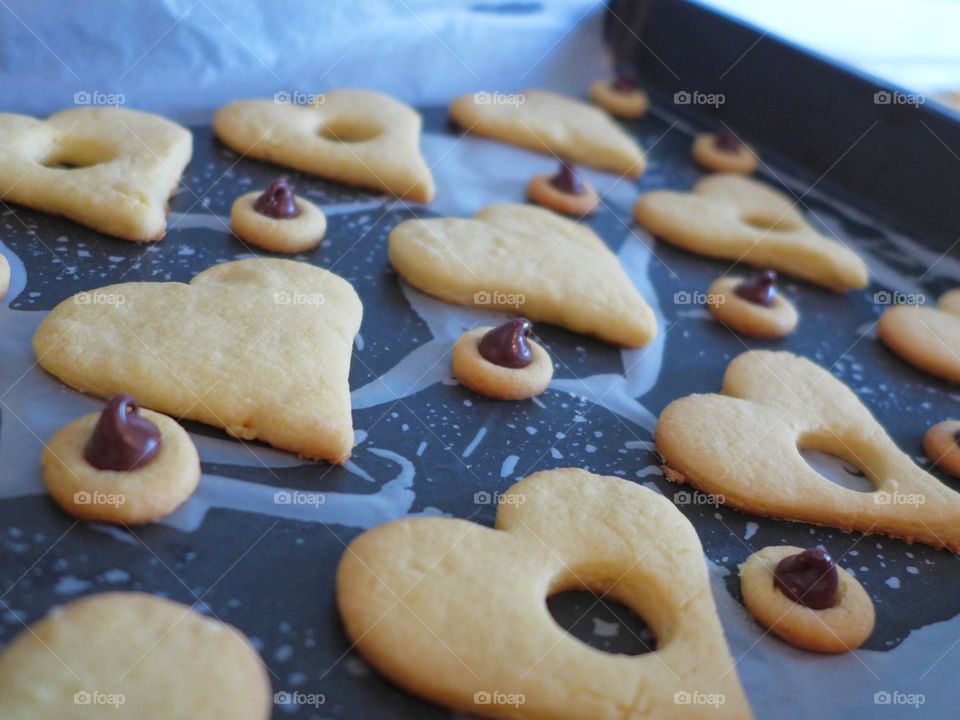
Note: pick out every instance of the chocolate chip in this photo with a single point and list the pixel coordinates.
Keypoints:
(506, 345)
(278, 201)
(760, 289)
(566, 180)
(726, 141)
(625, 81)
(810, 578)
(122, 439)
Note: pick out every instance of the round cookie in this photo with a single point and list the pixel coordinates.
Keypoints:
(621, 99)
(941, 443)
(300, 229)
(564, 192)
(724, 153)
(499, 381)
(132, 656)
(4, 277)
(151, 490)
(844, 626)
(926, 337)
(750, 318)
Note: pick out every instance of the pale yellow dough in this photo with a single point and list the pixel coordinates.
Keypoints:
(499, 383)
(286, 235)
(455, 612)
(260, 348)
(358, 137)
(627, 105)
(525, 259)
(128, 165)
(737, 218)
(841, 628)
(927, 338)
(134, 497)
(550, 123)
(747, 318)
(940, 445)
(743, 445)
(705, 151)
(132, 656)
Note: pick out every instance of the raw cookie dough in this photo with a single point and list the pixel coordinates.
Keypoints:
(497, 381)
(4, 277)
(294, 234)
(779, 319)
(737, 218)
(454, 611)
(525, 259)
(841, 628)
(132, 656)
(358, 137)
(130, 496)
(927, 338)
(724, 153)
(620, 98)
(744, 446)
(551, 123)
(104, 167)
(260, 348)
(564, 192)
(941, 443)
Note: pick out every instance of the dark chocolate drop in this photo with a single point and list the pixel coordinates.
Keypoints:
(122, 439)
(810, 578)
(506, 345)
(726, 141)
(760, 289)
(566, 180)
(625, 81)
(277, 201)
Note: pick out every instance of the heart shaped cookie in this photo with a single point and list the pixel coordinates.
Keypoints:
(550, 123)
(358, 137)
(104, 167)
(525, 259)
(927, 338)
(455, 612)
(737, 218)
(132, 656)
(744, 447)
(260, 348)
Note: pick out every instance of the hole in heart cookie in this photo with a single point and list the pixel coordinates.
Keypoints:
(837, 470)
(601, 622)
(349, 131)
(74, 156)
(64, 166)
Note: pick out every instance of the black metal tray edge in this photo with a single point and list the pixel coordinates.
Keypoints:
(891, 151)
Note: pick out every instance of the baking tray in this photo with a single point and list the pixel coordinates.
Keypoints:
(243, 551)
